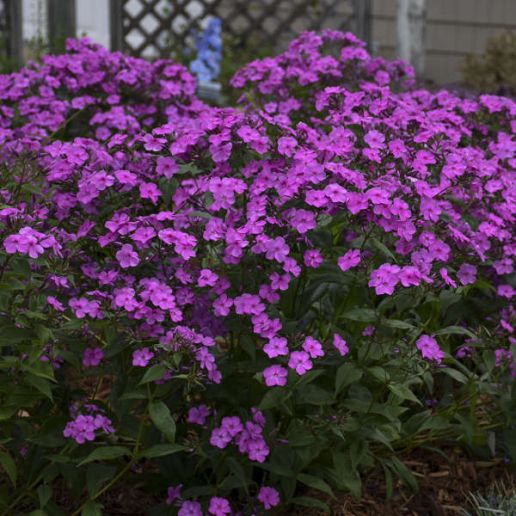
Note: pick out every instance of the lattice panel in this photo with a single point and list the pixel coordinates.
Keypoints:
(157, 28)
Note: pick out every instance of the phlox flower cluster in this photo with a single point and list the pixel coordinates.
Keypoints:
(85, 427)
(218, 506)
(191, 229)
(247, 436)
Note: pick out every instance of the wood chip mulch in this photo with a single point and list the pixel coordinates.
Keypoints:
(444, 479)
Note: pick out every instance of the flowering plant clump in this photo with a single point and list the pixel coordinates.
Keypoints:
(234, 304)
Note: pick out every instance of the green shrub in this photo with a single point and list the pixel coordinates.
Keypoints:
(495, 70)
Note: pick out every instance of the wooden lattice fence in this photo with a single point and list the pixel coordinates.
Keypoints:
(155, 28)
(159, 28)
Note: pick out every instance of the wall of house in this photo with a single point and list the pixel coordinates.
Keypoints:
(454, 28)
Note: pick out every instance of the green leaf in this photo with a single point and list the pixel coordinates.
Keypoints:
(389, 483)
(10, 335)
(404, 473)
(346, 375)
(9, 466)
(162, 419)
(308, 501)
(456, 375)
(154, 373)
(41, 385)
(92, 509)
(274, 397)
(397, 324)
(97, 475)
(403, 392)
(315, 483)
(383, 249)
(161, 450)
(105, 453)
(44, 495)
(238, 472)
(360, 314)
(455, 330)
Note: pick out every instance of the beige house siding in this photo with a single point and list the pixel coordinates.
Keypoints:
(454, 28)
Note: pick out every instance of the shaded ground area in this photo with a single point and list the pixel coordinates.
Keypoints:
(444, 480)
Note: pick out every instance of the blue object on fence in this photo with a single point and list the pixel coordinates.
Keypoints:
(208, 43)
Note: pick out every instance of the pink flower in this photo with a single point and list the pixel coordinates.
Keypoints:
(429, 348)
(410, 275)
(142, 357)
(219, 506)
(232, 425)
(467, 274)
(83, 307)
(277, 346)
(505, 291)
(300, 362)
(92, 357)
(375, 139)
(127, 257)
(340, 345)
(220, 438)
(269, 497)
(149, 191)
(349, 260)
(166, 167)
(198, 415)
(248, 304)
(207, 278)
(275, 375)
(173, 493)
(286, 145)
(446, 277)
(55, 303)
(313, 258)
(385, 278)
(190, 509)
(313, 347)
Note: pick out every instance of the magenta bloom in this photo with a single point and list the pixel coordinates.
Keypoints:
(349, 260)
(232, 425)
(248, 304)
(277, 346)
(313, 347)
(340, 345)
(127, 257)
(142, 357)
(269, 497)
(300, 362)
(83, 307)
(198, 415)
(429, 348)
(313, 258)
(207, 278)
(219, 506)
(55, 303)
(173, 493)
(467, 274)
(92, 357)
(220, 438)
(275, 375)
(505, 291)
(385, 278)
(190, 509)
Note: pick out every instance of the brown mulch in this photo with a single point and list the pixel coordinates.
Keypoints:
(444, 482)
